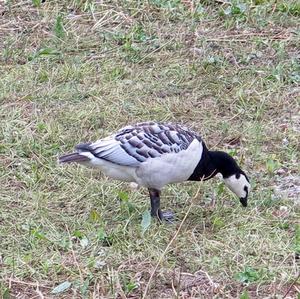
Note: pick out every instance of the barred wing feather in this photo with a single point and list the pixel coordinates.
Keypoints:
(133, 145)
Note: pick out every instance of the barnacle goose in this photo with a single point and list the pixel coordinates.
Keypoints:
(154, 154)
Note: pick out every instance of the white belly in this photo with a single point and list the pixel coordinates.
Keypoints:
(119, 172)
(154, 172)
(112, 170)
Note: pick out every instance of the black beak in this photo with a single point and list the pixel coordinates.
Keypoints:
(244, 201)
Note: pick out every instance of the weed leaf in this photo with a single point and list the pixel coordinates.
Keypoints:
(61, 287)
(44, 52)
(59, 28)
(47, 51)
(123, 196)
(36, 3)
(94, 216)
(248, 275)
(130, 286)
(146, 221)
(5, 294)
(245, 295)
(102, 234)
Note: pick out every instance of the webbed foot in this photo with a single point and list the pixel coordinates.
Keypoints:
(167, 216)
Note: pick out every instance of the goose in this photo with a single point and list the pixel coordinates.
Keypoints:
(154, 154)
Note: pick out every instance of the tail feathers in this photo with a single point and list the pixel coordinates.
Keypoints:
(74, 157)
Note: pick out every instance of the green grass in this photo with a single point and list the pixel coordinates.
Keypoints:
(74, 71)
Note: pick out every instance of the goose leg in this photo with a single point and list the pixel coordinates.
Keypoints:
(155, 207)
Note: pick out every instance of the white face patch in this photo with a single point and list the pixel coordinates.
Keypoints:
(239, 186)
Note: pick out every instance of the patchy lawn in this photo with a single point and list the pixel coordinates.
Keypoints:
(73, 71)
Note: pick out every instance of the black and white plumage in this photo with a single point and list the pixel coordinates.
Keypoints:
(154, 154)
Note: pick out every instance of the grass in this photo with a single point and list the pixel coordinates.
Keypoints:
(73, 71)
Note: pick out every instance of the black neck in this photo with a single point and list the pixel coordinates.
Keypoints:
(213, 162)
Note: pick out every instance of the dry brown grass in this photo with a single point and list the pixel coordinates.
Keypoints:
(231, 75)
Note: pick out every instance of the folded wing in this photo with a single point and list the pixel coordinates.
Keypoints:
(134, 145)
